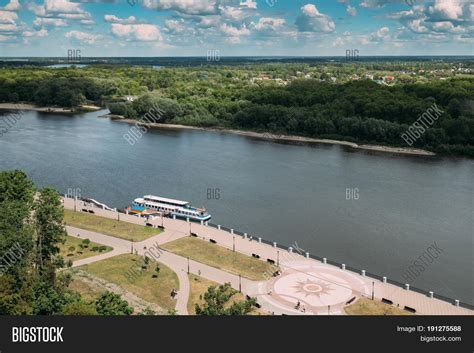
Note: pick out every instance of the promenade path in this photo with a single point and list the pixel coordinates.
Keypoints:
(319, 287)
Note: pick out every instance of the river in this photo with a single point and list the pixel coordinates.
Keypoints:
(372, 211)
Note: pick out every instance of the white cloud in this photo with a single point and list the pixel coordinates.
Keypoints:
(193, 7)
(380, 35)
(311, 20)
(249, 3)
(83, 36)
(13, 5)
(351, 10)
(43, 21)
(447, 9)
(56, 12)
(8, 17)
(115, 19)
(140, 32)
(41, 33)
(8, 27)
(233, 31)
(62, 6)
(175, 26)
(269, 25)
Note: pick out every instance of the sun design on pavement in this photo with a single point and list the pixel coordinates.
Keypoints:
(316, 288)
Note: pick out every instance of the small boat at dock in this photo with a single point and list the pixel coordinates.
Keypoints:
(149, 204)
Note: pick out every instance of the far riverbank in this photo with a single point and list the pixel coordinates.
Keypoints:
(259, 135)
(283, 138)
(58, 110)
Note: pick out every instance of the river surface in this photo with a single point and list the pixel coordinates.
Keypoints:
(377, 212)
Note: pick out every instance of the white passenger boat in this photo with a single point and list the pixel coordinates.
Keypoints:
(171, 207)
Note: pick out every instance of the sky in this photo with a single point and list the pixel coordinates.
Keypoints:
(236, 27)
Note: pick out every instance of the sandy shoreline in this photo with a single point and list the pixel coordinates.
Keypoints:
(24, 106)
(288, 138)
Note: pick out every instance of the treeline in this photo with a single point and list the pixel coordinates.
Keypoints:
(363, 111)
(229, 97)
(31, 229)
(359, 111)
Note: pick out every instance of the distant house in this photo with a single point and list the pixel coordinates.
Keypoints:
(388, 78)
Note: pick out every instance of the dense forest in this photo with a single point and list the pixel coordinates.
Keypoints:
(298, 99)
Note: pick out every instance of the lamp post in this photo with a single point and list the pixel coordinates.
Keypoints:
(162, 220)
(188, 265)
(329, 309)
(373, 289)
(132, 246)
(233, 244)
(189, 228)
(278, 257)
(240, 283)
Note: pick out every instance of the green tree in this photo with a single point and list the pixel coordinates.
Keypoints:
(50, 230)
(79, 308)
(217, 302)
(112, 304)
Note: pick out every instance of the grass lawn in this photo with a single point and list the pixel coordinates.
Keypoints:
(217, 256)
(364, 306)
(119, 229)
(88, 292)
(126, 271)
(71, 250)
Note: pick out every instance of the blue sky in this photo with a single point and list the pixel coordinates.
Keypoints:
(236, 27)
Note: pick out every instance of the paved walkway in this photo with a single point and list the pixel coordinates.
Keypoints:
(320, 280)
(121, 246)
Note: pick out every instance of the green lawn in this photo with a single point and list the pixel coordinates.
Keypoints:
(88, 292)
(364, 306)
(126, 271)
(71, 249)
(119, 229)
(217, 256)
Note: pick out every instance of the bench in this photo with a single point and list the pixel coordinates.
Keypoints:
(350, 300)
(387, 301)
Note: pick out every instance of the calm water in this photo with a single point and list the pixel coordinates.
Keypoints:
(283, 193)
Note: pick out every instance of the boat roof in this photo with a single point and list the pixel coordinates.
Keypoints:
(164, 199)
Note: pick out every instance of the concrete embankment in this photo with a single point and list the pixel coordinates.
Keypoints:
(288, 257)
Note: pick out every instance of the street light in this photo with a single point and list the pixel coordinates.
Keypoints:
(240, 284)
(233, 245)
(373, 285)
(132, 245)
(329, 309)
(188, 265)
(189, 228)
(278, 257)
